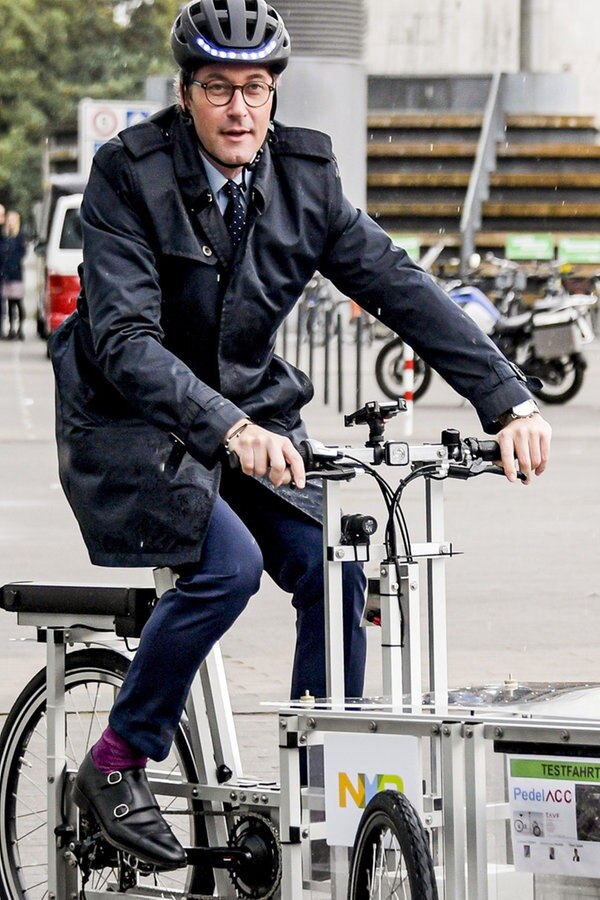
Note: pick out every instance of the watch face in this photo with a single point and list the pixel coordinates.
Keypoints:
(527, 408)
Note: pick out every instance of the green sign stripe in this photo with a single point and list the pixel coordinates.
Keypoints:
(529, 246)
(408, 242)
(556, 769)
(579, 249)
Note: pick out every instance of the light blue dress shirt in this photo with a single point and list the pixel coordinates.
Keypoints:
(217, 181)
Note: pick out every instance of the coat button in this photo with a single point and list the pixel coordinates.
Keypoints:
(206, 250)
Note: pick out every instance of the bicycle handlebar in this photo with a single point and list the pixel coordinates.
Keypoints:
(463, 454)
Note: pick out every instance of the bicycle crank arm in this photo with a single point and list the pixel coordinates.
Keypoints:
(218, 857)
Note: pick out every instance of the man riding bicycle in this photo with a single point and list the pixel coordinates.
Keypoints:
(201, 228)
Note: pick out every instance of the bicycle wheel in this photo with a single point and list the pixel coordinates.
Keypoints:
(92, 679)
(389, 371)
(391, 858)
(318, 322)
(562, 379)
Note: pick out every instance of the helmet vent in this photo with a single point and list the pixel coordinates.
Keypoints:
(230, 31)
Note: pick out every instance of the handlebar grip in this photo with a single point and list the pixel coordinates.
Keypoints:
(305, 451)
(489, 451)
(317, 456)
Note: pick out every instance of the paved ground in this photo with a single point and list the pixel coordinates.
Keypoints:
(523, 600)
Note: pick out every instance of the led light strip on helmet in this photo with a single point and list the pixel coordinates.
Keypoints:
(219, 53)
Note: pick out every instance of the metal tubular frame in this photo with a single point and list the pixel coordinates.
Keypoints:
(456, 741)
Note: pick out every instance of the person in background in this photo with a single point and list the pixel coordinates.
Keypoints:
(14, 249)
(2, 239)
(201, 228)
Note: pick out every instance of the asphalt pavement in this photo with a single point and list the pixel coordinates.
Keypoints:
(523, 599)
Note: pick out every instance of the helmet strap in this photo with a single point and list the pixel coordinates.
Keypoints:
(246, 167)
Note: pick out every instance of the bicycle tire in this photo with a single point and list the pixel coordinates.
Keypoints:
(92, 678)
(389, 371)
(391, 858)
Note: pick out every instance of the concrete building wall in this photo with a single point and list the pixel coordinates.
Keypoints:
(422, 37)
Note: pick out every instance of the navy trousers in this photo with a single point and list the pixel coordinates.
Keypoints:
(250, 531)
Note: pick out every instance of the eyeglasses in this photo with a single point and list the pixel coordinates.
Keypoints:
(220, 93)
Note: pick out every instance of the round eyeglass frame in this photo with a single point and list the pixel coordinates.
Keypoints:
(233, 88)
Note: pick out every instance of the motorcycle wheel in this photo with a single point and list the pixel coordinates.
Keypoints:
(389, 371)
(562, 378)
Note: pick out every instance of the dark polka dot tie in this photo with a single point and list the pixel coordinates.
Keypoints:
(235, 211)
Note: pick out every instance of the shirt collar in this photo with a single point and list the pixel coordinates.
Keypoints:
(217, 180)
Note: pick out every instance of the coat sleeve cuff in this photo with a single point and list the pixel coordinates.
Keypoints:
(204, 435)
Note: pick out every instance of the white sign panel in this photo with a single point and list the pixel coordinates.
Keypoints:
(555, 814)
(359, 766)
(101, 120)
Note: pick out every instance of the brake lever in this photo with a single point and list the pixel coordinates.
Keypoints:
(498, 470)
(464, 474)
(333, 473)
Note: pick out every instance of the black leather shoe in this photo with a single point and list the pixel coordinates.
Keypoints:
(128, 814)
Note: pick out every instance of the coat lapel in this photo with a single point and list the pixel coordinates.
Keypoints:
(193, 185)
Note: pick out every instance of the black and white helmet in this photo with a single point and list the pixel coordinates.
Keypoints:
(230, 31)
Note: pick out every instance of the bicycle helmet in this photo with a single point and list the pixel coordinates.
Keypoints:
(232, 31)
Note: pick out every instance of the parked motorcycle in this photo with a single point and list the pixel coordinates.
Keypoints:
(545, 344)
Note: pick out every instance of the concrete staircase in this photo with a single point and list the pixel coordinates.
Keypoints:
(418, 167)
(547, 177)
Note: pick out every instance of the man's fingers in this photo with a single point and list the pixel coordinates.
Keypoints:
(544, 446)
(527, 441)
(263, 453)
(295, 466)
(507, 455)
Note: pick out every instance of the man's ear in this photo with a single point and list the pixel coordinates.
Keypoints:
(183, 97)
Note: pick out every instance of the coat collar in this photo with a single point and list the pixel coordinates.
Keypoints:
(170, 131)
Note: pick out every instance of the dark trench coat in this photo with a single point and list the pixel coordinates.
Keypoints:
(173, 340)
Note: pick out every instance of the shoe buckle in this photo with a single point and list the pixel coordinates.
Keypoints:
(121, 810)
(114, 777)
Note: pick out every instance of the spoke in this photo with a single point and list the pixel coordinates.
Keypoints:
(94, 714)
(38, 865)
(37, 757)
(30, 811)
(34, 784)
(103, 877)
(38, 884)
(27, 834)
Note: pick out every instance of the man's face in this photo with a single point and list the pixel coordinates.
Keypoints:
(234, 132)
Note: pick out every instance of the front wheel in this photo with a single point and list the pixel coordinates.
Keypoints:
(389, 371)
(562, 378)
(391, 858)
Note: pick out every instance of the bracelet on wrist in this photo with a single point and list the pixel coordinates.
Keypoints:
(235, 434)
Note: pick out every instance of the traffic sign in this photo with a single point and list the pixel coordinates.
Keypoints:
(101, 120)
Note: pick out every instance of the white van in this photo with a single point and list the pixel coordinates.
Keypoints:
(59, 248)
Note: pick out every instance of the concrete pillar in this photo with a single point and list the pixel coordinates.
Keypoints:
(526, 30)
(325, 83)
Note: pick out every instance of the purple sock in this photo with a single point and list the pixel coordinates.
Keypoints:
(112, 754)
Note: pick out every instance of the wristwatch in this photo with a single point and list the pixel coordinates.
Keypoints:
(523, 410)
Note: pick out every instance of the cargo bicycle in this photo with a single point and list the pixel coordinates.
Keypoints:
(243, 837)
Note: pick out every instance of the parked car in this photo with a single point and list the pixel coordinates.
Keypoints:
(59, 249)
